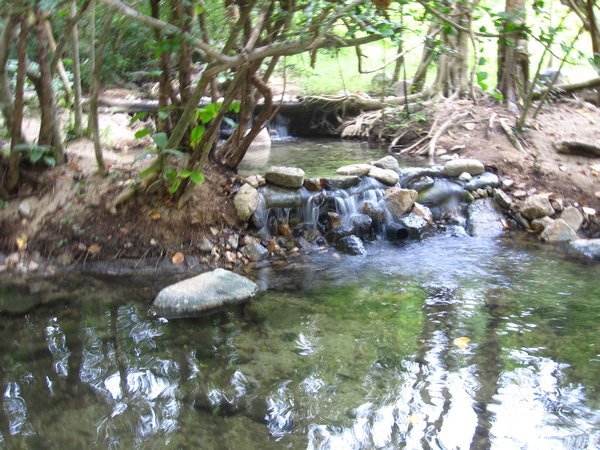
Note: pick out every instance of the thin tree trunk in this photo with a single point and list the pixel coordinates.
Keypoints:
(594, 33)
(6, 100)
(164, 83)
(92, 51)
(420, 76)
(78, 126)
(93, 115)
(60, 68)
(13, 175)
(50, 134)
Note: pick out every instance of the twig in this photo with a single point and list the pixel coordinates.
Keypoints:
(445, 126)
(490, 127)
(511, 135)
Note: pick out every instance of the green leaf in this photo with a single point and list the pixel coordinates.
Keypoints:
(196, 135)
(35, 155)
(235, 106)
(137, 117)
(176, 153)
(163, 115)
(149, 170)
(49, 161)
(498, 96)
(174, 186)
(170, 173)
(141, 133)
(197, 177)
(160, 139)
(184, 173)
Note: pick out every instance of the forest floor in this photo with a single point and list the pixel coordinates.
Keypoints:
(61, 216)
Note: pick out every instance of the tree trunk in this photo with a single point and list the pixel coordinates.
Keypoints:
(93, 116)
(78, 125)
(594, 33)
(418, 82)
(513, 59)
(12, 178)
(164, 83)
(60, 68)
(6, 100)
(92, 51)
(50, 134)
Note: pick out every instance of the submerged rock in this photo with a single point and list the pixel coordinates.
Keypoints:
(351, 245)
(455, 167)
(246, 202)
(399, 201)
(204, 292)
(289, 177)
(587, 247)
(536, 207)
(386, 176)
(483, 219)
(336, 234)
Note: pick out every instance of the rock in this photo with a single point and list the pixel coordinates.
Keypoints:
(203, 293)
(313, 184)
(519, 194)
(455, 167)
(246, 202)
(341, 183)
(407, 174)
(484, 180)
(233, 240)
(535, 207)
(256, 181)
(354, 169)
(362, 226)
(399, 201)
(469, 196)
(32, 266)
(557, 204)
(483, 219)
(597, 194)
(587, 247)
(329, 220)
(558, 231)
(503, 198)
(205, 245)
(336, 234)
(387, 162)
(573, 217)
(351, 245)
(481, 193)
(289, 177)
(12, 260)
(278, 197)
(539, 225)
(25, 209)
(261, 141)
(375, 211)
(440, 192)
(507, 183)
(424, 212)
(420, 184)
(588, 211)
(254, 251)
(396, 232)
(416, 225)
(304, 244)
(465, 176)
(386, 176)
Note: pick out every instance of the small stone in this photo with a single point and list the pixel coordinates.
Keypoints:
(400, 201)
(351, 245)
(558, 231)
(473, 194)
(535, 207)
(507, 183)
(256, 181)
(588, 211)
(386, 176)
(557, 204)
(415, 225)
(354, 169)
(597, 194)
(25, 209)
(573, 217)
(312, 184)
(233, 240)
(205, 245)
(519, 194)
(214, 231)
(539, 225)
(482, 193)
(424, 212)
(12, 260)
(387, 162)
(457, 166)
(469, 197)
(531, 191)
(465, 176)
(230, 257)
(289, 177)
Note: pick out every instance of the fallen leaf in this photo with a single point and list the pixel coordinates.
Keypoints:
(22, 243)
(462, 342)
(74, 166)
(178, 258)
(94, 249)
(154, 215)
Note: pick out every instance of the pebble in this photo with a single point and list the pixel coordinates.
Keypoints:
(588, 211)
(519, 194)
(25, 209)
(507, 184)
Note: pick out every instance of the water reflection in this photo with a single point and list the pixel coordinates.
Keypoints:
(323, 359)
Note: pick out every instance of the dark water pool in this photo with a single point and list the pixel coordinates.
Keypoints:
(453, 342)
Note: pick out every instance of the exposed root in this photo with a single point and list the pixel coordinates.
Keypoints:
(452, 121)
(511, 135)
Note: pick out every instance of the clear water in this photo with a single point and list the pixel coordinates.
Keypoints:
(452, 342)
(337, 352)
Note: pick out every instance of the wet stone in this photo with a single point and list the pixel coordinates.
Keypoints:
(483, 219)
(362, 226)
(341, 183)
(416, 226)
(255, 251)
(386, 176)
(558, 231)
(352, 245)
(587, 247)
(420, 184)
(289, 177)
(455, 167)
(573, 217)
(503, 198)
(337, 233)
(482, 181)
(312, 184)
(535, 207)
(387, 162)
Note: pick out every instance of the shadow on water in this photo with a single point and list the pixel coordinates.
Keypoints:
(338, 352)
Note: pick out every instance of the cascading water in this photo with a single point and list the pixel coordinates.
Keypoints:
(279, 128)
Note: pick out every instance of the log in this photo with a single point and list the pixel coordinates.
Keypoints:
(578, 148)
(569, 88)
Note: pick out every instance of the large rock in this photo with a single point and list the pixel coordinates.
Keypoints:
(254, 251)
(587, 247)
(354, 169)
(573, 217)
(558, 231)
(483, 220)
(416, 226)
(341, 183)
(536, 207)
(261, 141)
(455, 167)
(375, 211)
(420, 184)
(400, 201)
(246, 202)
(362, 226)
(386, 176)
(204, 293)
(289, 177)
(387, 162)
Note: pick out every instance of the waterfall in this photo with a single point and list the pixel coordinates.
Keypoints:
(279, 128)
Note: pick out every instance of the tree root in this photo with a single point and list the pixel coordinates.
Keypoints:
(452, 121)
(510, 134)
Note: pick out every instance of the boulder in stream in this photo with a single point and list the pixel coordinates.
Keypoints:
(288, 177)
(455, 167)
(245, 202)
(482, 181)
(387, 162)
(536, 207)
(400, 201)
(416, 226)
(590, 248)
(386, 176)
(483, 219)
(558, 231)
(203, 293)
(354, 169)
(351, 245)
(573, 217)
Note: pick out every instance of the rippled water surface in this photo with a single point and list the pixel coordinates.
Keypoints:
(337, 352)
(451, 342)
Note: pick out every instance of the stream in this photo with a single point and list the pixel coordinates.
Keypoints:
(449, 342)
